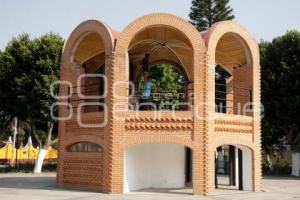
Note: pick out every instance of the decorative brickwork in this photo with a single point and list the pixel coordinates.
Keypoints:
(158, 124)
(199, 128)
(225, 123)
(83, 171)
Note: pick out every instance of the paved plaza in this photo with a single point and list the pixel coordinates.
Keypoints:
(15, 186)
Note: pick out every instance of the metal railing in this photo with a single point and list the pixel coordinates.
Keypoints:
(227, 97)
(161, 100)
(231, 97)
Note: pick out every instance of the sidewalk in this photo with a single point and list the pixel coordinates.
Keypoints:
(42, 186)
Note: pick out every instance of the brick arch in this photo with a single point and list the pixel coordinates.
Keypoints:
(240, 143)
(237, 144)
(153, 138)
(85, 138)
(218, 30)
(70, 70)
(89, 26)
(212, 38)
(232, 139)
(160, 19)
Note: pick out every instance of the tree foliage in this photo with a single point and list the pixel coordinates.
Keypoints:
(166, 78)
(204, 13)
(280, 60)
(27, 68)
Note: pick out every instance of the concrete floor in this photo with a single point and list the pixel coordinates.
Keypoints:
(42, 187)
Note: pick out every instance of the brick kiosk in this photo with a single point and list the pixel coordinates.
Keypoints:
(110, 146)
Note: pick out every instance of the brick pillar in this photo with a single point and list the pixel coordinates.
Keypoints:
(229, 95)
(61, 128)
(199, 134)
(209, 149)
(68, 73)
(118, 101)
(257, 171)
(198, 171)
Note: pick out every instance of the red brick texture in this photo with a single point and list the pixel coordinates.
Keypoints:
(200, 129)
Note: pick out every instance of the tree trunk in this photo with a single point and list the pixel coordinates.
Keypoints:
(43, 150)
(15, 132)
(270, 162)
(39, 161)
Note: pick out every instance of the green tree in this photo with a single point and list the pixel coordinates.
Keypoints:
(28, 67)
(280, 60)
(169, 81)
(10, 87)
(204, 13)
(166, 78)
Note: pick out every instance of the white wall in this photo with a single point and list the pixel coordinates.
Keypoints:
(247, 168)
(295, 164)
(137, 168)
(236, 166)
(154, 165)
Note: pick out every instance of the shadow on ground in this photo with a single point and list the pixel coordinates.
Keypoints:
(281, 178)
(31, 182)
(43, 186)
(185, 191)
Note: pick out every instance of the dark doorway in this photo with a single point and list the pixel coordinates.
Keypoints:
(232, 168)
(188, 166)
(240, 156)
(228, 169)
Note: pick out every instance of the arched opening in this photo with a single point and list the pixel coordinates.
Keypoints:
(89, 56)
(84, 147)
(157, 166)
(233, 167)
(234, 76)
(160, 69)
(169, 90)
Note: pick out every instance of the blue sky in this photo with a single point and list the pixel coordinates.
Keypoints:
(264, 19)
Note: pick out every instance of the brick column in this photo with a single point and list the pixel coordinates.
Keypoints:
(67, 73)
(229, 95)
(209, 166)
(257, 171)
(199, 133)
(118, 102)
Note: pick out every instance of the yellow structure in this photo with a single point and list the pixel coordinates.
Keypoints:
(27, 152)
